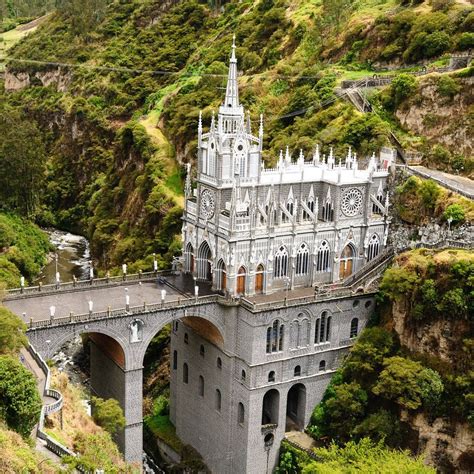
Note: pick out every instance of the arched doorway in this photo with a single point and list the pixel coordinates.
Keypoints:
(204, 262)
(241, 281)
(259, 275)
(221, 276)
(346, 265)
(270, 407)
(295, 408)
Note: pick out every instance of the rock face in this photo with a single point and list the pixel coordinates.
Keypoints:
(445, 442)
(58, 78)
(446, 120)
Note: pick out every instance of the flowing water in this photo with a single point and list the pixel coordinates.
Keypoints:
(73, 258)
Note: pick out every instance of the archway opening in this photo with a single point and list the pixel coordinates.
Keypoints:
(204, 262)
(295, 408)
(259, 279)
(270, 407)
(346, 263)
(241, 277)
(221, 276)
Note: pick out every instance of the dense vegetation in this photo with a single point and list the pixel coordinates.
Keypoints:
(23, 249)
(383, 376)
(363, 456)
(111, 172)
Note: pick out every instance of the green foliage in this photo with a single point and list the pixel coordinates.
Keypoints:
(20, 403)
(465, 41)
(407, 383)
(447, 86)
(108, 414)
(22, 163)
(96, 451)
(23, 250)
(455, 212)
(402, 87)
(12, 332)
(364, 456)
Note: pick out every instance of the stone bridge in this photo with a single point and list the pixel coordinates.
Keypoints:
(122, 315)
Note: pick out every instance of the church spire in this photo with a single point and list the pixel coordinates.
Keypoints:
(232, 90)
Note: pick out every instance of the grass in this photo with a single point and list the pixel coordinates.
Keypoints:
(12, 37)
(162, 428)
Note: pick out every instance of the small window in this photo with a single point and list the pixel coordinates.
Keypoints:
(219, 363)
(355, 303)
(241, 414)
(175, 326)
(175, 360)
(368, 304)
(201, 350)
(185, 373)
(271, 376)
(322, 365)
(354, 328)
(218, 400)
(201, 386)
(186, 338)
(297, 372)
(243, 375)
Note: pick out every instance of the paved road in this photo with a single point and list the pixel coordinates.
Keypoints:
(456, 183)
(38, 307)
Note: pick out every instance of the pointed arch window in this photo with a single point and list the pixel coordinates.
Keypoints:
(354, 327)
(201, 386)
(374, 247)
(275, 336)
(185, 373)
(218, 400)
(241, 414)
(280, 269)
(322, 330)
(376, 209)
(328, 211)
(189, 258)
(322, 257)
(310, 204)
(302, 260)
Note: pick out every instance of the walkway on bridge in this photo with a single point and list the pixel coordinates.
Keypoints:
(36, 306)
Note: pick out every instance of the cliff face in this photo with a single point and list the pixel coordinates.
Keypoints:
(445, 441)
(441, 111)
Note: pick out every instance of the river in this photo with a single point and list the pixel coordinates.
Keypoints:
(73, 260)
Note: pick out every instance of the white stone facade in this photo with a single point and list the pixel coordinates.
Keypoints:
(254, 230)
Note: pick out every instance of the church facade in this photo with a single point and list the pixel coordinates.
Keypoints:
(253, 230)
(250, 230)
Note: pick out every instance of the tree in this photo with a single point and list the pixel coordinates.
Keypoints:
(20, 403)
(455, 212)
(22, 162)
(108, 414)
(84, 14)
(402, 87)
(429, 193)
(12, 332)
(407, 383)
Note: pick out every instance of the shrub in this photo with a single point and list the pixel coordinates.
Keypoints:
(108, 414)
(447, 86)
(20, 403)
(455, 212)
(402, 87)
(465, 41)
(12, 332)
(429, 192)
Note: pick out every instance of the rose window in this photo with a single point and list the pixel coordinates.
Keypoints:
(351, 202)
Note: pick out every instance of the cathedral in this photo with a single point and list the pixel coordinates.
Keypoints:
(239, 388)
(255, 230)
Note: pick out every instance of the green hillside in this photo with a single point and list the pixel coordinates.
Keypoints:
(121, 110)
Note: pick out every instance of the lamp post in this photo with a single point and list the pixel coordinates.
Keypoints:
(155, 263)
(163, 296)
(450, 220)
(127, 300)
(52, 312)
(22, 283)
(124, 271)
(91, 307)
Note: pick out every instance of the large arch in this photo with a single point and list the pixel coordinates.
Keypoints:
(295, 408)
(271, 407)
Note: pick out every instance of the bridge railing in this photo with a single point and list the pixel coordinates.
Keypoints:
(181, 302)
(64, 287)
